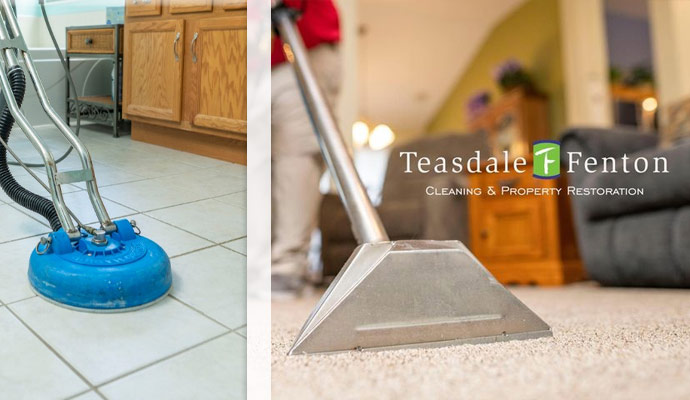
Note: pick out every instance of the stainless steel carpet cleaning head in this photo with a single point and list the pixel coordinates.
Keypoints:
(393, 294)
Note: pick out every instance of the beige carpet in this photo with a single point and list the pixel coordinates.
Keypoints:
(608, 344)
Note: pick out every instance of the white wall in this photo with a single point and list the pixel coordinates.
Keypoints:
(348, 103)
(36, 34)
(585, 62)
(670, 25)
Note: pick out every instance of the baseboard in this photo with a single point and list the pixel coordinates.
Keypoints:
(220, 148)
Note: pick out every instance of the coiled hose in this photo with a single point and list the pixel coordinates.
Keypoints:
(14, 190)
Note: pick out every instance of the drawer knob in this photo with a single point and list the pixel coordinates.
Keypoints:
(484, 233)
(88, 41)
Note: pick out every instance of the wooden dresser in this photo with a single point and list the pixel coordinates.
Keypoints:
(514, 121)
(523, 239)
(185, 75)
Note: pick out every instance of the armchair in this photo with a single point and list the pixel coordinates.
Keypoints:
(628, 240)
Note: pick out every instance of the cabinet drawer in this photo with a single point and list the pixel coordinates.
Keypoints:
(142, 8)
(234, 4)
(510, 229)
(190, 6)
(96, 41)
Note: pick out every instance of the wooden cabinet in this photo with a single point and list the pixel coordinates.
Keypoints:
(524, 239)
(189, 6)
(139, 8)
(514, 122)
(234, 4)
(219, 71)
(153, 69)
(185, 77)
(511, 229)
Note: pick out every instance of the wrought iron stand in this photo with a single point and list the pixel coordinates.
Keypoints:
(104, 109)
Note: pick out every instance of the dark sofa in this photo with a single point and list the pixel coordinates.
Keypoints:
(641, 240)
(406, 211)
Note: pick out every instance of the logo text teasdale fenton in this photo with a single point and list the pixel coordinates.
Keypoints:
(547, 162)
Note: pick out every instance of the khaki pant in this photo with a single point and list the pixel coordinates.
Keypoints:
(297, 166)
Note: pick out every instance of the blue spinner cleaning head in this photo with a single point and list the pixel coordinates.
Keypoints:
(119, 271)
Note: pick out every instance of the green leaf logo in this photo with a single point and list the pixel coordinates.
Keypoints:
(547, 159)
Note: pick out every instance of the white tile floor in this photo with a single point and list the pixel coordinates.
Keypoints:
(195, 339)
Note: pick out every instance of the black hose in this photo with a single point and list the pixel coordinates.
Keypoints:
(14, 190)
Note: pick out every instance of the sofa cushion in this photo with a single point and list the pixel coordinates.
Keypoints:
(645, 249)
(661, 190)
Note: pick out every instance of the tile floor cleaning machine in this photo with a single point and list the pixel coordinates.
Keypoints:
(109, 269)
(395, 294)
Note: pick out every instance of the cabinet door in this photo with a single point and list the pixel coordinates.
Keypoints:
(511, 228)
(141, 8)
(190, 6)
(153, 69)
(219, 73)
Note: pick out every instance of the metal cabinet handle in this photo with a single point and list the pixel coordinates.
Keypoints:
(193, 48)
(135, 2)
(177, 39)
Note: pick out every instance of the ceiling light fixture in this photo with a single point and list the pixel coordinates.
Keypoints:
(381, 137)
(649, 104)
(360, 134)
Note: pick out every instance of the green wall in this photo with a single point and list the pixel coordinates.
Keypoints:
(530, 34)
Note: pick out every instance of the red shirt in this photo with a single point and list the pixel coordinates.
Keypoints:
(318, 24)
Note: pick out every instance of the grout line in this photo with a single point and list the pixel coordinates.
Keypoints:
(95, 390)
(237, 331)
(177, 227)
(197, 169)
(23, 238)
(74, 396)
(119, 183)
(234, 251)
(58, 355)
(171, 206)
(163, 359)
(201, 312)
(233, 240)
(184, 230)
(194, 251)
(28, 214)
(20, 300)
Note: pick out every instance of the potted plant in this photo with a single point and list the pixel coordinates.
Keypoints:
(477, 103)
(511, 74)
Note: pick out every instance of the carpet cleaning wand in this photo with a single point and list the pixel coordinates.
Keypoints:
(393, 294)
(112, 268)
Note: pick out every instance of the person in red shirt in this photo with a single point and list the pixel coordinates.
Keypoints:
(318, 23)
(296, 163)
